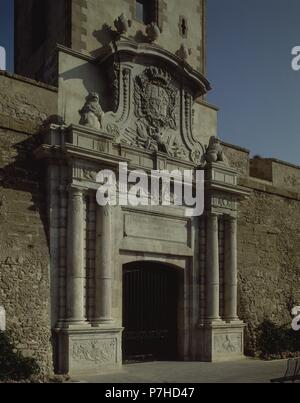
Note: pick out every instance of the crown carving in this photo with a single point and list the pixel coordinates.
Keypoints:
(157, 74)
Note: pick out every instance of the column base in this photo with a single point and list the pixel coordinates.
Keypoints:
(87, 350)
(72, 324)
(221, 341)
(102, 322)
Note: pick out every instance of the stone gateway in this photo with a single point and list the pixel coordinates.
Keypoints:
(88, 287)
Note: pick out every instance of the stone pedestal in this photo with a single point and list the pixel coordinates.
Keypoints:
(89, 351)
(83, 347)
(221, 342)
(220, 331)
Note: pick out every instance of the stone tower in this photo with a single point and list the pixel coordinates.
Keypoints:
(85, 25)
(130, 77)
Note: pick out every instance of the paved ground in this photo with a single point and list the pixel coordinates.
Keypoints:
(246, 371)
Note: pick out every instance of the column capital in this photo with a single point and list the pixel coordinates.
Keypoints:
(212, 215)
(77, 190)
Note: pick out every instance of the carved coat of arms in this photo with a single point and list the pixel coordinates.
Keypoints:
(155, 108)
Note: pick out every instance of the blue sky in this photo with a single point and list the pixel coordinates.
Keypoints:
(249, 65)
(6, 30)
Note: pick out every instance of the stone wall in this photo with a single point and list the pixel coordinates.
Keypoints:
(268, 233)
(268, 242)
(280, 173)
(93, 21)
(24, 254)
(238, 158)
(269, 260)
(87, 25)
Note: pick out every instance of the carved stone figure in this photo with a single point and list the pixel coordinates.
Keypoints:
(91, 113)
(153, 32)
(227, 344)
(177, 150)
(99, 351)
(184, 52)
(122, 24)
(214, 151)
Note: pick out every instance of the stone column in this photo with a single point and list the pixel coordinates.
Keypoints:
(104, 262)
(231, 274)
(212, 270)
(75, 258)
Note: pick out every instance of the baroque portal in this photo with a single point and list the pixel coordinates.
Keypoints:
(149, 123)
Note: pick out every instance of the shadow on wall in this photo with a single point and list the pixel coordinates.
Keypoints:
(24, 252)
(268, 333)
(104, 36)
(13, 366)
(87, 77)
(277, 341)
(107, 36)
(25, 174)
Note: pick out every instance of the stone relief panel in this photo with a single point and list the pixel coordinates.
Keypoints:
(225, 202)
(151, 113)
(228, 343)
(95, 351)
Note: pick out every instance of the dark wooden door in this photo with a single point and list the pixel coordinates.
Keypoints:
(150, 294)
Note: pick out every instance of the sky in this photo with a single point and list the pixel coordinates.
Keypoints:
(249, 44)
(249, 65)
(6, 30)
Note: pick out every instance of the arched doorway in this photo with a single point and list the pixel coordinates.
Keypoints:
(150, 311)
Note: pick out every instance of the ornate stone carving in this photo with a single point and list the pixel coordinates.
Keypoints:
(225, 202)
(89, 175)
(196, 156)
(95, 351)
(126, 91)
(116, 85)
(177, 151)
(91, 113)
(214, 151)
(113, 130)
(225, 343)
(155, 98)
(195, 147)
(155, 108)
(153, 32)
(184, 52)
(122, 24)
